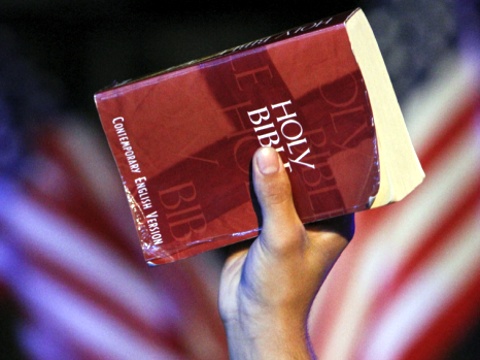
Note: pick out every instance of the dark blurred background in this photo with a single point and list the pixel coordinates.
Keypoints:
(89, 44)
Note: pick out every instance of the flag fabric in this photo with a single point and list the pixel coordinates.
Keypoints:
(71, 272)
(408, 285)
(83, 288)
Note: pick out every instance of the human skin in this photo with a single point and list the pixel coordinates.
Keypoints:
(267, 288)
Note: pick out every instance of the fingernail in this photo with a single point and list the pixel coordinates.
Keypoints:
(268, 161)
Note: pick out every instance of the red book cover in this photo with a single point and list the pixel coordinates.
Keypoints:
(183, 139)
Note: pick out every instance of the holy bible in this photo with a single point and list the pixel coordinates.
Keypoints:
(320, 94)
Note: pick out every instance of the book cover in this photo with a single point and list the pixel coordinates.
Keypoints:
(183, 138)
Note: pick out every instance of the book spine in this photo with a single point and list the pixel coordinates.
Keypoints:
(324, 23)
(313, 26)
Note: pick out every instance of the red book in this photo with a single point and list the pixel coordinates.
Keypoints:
(183, 138)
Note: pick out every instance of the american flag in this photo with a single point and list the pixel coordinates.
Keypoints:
(83, 288)
(73, 284)
(408, 286)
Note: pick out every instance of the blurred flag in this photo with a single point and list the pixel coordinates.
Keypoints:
(82, 287)
(408, 286)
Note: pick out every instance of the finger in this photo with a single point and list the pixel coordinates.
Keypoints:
(272, 187)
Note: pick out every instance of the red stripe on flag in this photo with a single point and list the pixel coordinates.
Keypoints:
(450, 326)
(162, 334)
(79, 202)
(368, 222)
(430, 243)
(458, 124)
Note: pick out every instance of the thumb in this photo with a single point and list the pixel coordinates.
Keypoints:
(272, 187)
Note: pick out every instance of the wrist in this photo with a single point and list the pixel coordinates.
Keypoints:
(275, 339)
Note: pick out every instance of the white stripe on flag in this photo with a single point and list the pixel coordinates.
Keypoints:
(430, 289)
(430, 108)
(396, 237)
(366, 267)
(78, 320)
(61, 242)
